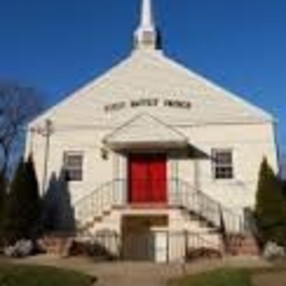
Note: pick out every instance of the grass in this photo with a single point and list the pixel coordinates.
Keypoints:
(221, 277)
(18, 275)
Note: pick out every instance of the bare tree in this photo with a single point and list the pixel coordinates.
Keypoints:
(18, 105)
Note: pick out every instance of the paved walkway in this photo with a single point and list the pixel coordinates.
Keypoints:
(277, 278)
(138, 274)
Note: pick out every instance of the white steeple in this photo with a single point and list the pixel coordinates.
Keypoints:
(146, 36)
(147, 15)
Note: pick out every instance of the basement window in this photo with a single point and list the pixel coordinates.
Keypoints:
(222, 165)
(73, 163)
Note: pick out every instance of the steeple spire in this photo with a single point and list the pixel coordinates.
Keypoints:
(146, 36)
(147, 15)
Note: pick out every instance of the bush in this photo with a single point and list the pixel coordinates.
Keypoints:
(23, 206)
(270, 209)
(2, 202)
(272, 251)
(2, 191)
(22, 248)
(203, 252)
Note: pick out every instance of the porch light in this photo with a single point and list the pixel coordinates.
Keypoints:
(104, 153)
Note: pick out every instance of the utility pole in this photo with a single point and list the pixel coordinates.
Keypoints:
(46, 132)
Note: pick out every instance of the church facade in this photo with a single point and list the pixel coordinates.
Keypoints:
(151, 149)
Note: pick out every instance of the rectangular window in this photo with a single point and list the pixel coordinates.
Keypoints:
(73, 163)
(222, 164)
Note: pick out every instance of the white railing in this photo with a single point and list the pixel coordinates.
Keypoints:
(197, 202)
(96, 203)
(181, 194)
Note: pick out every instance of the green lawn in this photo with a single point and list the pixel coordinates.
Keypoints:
(18, 275)
(221, 277)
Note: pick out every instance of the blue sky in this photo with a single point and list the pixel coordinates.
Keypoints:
(59, 45)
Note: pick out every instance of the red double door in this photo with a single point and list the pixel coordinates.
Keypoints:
(147, 178)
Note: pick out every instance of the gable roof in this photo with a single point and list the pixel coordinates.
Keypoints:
(145, 130)
(150, 74)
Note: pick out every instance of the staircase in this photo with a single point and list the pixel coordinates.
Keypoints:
(94, 206)
(242, 244)
(201, 208)
(181, 195)
(237, 238)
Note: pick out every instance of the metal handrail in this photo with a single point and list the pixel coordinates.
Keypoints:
(181, 194)
(203, 205)
(99, 201)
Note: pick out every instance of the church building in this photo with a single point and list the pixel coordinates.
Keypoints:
(152, 160)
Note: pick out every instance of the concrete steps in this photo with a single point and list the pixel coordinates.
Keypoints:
(242, 244)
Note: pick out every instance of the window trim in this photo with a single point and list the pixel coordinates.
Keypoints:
(214, 166)
(81, 168)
